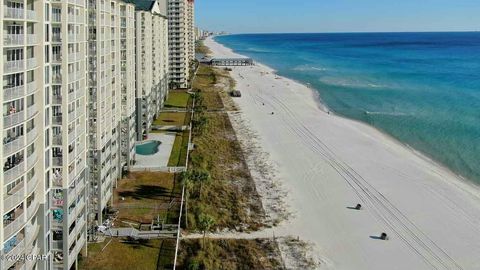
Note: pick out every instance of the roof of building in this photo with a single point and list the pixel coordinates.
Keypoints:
(142, 4)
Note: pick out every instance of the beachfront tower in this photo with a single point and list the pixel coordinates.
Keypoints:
(181, 41)
(151, 60)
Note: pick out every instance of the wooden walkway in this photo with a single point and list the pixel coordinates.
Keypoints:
(231, 62)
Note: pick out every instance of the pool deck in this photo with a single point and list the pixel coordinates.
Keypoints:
(160, 159)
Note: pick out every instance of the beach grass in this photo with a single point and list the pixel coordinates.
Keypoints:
(230, 196)
(229, 254)
(178, 155)
(177, 99)
(201, 48)
(143, 196)
(120, 254)
(215, 85)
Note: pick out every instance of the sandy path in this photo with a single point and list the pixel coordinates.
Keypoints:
(328, 163)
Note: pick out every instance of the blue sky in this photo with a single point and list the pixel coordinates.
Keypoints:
(269, 16)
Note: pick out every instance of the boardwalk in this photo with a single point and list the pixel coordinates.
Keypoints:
(232, 62)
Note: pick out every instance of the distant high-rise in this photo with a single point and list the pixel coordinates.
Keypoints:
(181, 41)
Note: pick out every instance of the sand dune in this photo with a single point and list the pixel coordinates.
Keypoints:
(328, 163)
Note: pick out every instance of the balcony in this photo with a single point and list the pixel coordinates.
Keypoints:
(13, 13)
(18, 250)
(13, 39)
(11, 92)
(56, 78)
(32, 184)
(13, 66)
(32, 209)
(14, 197)
(56, 38)
(13, 119)
(31, 15)
(14, 172)
(72, 57)
(31, 63)
(32, 135)
(13, 144)
(57, 161)
(11, 227)
(31, 232)
(32, 159)
(31, 38)
(57, 100)
(32, 111)
(57, 140)
(57, 17)
(57, 120)
(31, 87)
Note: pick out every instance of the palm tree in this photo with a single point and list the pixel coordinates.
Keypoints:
(187, 184)
(206, 222)
(202, 177)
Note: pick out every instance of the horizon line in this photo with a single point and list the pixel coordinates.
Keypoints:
(351, 32)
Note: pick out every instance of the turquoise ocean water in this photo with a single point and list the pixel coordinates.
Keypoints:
(421, 88)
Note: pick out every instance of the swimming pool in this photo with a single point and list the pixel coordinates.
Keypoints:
(148, 148)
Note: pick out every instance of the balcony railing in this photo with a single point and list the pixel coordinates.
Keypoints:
(13, 13)
(31, 15)
(32, 184)
(15, 172)
(32, 134)
(57, 120)
(13, 39)
(31, 63)
(13, 144)
(32, 111)
(31, 38)
(57, 161)
(13, 66)
(15, 252)
(13, 92)
(32, 209)
(14, 197)
(14, 226)
(31, 87)
(13, 119)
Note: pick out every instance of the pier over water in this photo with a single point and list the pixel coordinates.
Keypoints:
(230, 62)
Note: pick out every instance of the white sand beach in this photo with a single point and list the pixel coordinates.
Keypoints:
(327, 163)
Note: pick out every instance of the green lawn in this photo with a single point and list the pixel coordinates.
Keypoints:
(170, 119)
(177, 99)
(122, 255)
(179, 150)
(141, 195)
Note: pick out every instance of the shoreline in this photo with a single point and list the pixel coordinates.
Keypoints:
(326, 162)
(324, 107)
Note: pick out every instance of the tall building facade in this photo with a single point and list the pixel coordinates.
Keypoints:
(105, 47)
(68, 85)
(44, 153)
(80, 79)
(181, 41)
(151, 52)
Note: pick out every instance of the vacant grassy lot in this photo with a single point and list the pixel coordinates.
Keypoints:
(171, 119)
(229, 254)
(120, 254)
(179, 151)
(142, 196)
(177, 99)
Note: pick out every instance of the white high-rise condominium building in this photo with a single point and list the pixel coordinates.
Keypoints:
(181, 41)
(106, 39)
(68, 99)
(151, 52)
